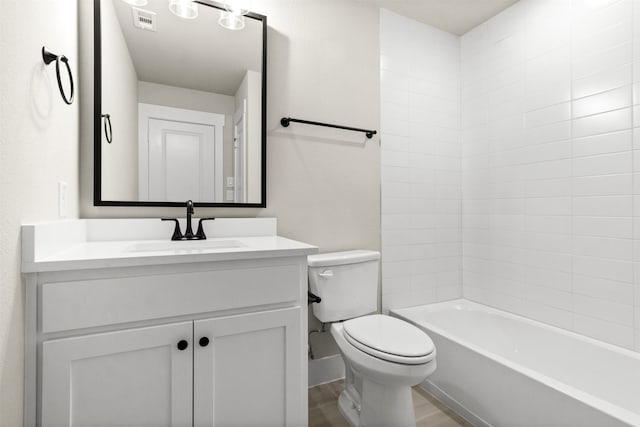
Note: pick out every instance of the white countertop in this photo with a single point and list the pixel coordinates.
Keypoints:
(68, 245)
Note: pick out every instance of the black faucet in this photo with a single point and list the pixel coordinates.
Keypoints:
(188, 235)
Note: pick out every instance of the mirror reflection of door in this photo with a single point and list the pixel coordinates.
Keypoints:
(180, 154)
(239, 153)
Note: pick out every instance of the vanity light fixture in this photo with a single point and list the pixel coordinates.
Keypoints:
(231, 21)
(186, 9)
(138, 3)
(233, 18)
(238, 7)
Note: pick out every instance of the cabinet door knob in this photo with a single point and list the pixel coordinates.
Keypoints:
(204, 341)
(183, 344)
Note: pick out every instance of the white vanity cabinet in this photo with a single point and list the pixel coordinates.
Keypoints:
(196, 339)
(217, 372)
(130, 377)
(243, 377)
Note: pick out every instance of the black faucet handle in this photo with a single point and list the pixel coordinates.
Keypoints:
(189, 204)
(177, 234)
(200, 233)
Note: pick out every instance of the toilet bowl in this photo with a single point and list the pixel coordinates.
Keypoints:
(384, 356)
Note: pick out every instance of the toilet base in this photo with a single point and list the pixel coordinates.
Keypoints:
(349, 409)
(386, 406)
(382, 406)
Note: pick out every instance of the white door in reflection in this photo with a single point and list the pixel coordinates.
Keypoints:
(180, 155)
(239, 153)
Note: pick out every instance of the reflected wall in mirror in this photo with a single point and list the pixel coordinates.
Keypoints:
(186, 100)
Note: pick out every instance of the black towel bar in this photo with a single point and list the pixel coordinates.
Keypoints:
(286, 120)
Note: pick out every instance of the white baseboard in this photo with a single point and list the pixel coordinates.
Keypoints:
(325, 369)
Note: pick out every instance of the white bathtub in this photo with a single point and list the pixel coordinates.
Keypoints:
(499, 369)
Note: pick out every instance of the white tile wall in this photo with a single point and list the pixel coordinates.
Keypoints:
(511, 164)
(551, 182)
(421, 187)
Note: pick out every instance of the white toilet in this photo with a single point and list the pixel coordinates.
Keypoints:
(384, 356)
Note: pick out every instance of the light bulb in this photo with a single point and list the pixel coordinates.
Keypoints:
(186, 9)
(138, 3)
(231, 21)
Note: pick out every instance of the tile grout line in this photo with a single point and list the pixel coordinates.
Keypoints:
(634, 30)
(572, 189)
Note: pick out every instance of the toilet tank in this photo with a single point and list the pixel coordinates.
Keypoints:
(347, 282)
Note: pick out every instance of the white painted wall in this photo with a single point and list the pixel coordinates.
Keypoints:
(38, 148)
(550, 152)
(421, 197)
(323, 185)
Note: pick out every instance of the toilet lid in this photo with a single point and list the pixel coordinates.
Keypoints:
(390, 339)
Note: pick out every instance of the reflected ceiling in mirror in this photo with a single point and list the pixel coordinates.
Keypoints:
(186, 104)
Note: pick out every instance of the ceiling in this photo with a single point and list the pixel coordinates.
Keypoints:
(150, 51)
(453, 16)
(196, 54)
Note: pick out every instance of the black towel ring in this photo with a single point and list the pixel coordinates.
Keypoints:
(49, 57)
(108, 134)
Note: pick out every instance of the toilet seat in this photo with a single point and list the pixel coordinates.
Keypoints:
(390, 339)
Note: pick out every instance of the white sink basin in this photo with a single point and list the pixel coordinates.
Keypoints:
(184, 245)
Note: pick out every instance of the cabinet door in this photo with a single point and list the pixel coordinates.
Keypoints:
(136, 377)
(249, 373)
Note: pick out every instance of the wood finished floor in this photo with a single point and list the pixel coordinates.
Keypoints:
(323, 408)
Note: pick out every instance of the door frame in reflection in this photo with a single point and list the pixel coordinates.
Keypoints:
(152, 151)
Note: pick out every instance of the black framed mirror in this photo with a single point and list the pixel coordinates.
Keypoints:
(179, 106)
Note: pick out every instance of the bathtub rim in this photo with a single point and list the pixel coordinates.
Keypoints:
(617, 412)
